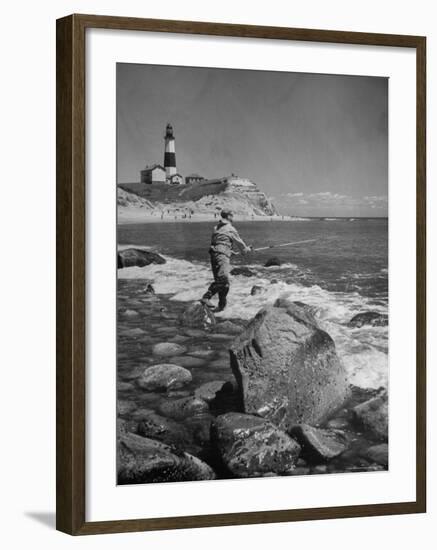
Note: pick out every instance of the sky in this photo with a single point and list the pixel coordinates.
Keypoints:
(316, 144)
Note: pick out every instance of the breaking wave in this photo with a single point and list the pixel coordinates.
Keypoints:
(364, 351)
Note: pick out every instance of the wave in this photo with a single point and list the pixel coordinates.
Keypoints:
(364, 351)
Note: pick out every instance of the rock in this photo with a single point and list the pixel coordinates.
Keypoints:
(228, 327)
(321, 469)
(164, 377)
(274, 261)
(125, 407)
(183, 408)
(371, 318)
(208, 391)
(164, 429)
(251, 446)
(244, 271)
(274, 282)
(188, 361)
(144, 460)
(141, 414)
(372, 416)
(129, 313)
(148, 289)
(137, 257)
(197, 315)
(318, 445)
(202, 353)
(132, 332)
(287, 366)
(378, 454)
(194, 332)
(221, 336)
(337, 423)
(167, 349)
(124, 386)
(303, 311)
(256, 289)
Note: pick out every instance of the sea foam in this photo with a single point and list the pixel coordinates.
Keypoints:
(363, 351)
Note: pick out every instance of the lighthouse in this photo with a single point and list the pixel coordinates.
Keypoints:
(169, 153)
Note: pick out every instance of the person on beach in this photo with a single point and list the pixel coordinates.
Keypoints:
(225, 239)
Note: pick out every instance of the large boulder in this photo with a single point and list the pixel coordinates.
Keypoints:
(369, 318)
(251, 446)
(287, 368)
(372, 416)
(197, 315)
(130, 257)
(144, 460)
(318, 445)
(164, 377)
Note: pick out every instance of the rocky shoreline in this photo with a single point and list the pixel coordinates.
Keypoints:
(203, 398)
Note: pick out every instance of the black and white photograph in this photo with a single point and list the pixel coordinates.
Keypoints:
(252, 274)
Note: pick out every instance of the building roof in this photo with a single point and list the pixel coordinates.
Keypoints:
(194, 176)
(177, 174)
(151, 167)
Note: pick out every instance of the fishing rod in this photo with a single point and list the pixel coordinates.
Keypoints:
(284, 244)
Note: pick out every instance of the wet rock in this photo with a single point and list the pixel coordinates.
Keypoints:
(132, 332)
(125, 407)
(202, 353)
(194, 333)
(164, 429)
(287, 366)
(183, 408)
(337, 423)
(378, 454)
(218, 336)
(208, 391)
(256, 289)
(372, 416)
(164, 377)
(124, 386)
(301, 471)
(179, 339)
(148, 289)
(140, 414)
(188, 361)
(274, 261)
(129, 313)
(251, 446)
(370, 318)
(144, 460)
(136, 257)
(197, 315)
(228, 327)
(318, 445)
(244, 271)
(167, 349)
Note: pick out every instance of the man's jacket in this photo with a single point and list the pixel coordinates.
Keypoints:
(225, 239)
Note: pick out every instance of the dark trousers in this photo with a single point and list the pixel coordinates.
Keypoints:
(221, 267)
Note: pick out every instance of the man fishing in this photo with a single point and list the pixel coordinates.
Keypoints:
(225, 239)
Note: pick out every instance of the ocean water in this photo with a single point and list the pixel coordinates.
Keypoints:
(342, 273)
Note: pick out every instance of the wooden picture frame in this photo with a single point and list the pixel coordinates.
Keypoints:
(71, 247)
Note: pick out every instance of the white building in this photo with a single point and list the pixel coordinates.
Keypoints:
(155, 173)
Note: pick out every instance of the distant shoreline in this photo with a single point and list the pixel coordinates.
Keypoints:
(126, 216)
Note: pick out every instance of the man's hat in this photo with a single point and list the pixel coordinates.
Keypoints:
(225, 213)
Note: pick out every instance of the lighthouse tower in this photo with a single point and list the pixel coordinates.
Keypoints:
(169, 152)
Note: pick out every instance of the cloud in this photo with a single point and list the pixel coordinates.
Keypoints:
(329, 199)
